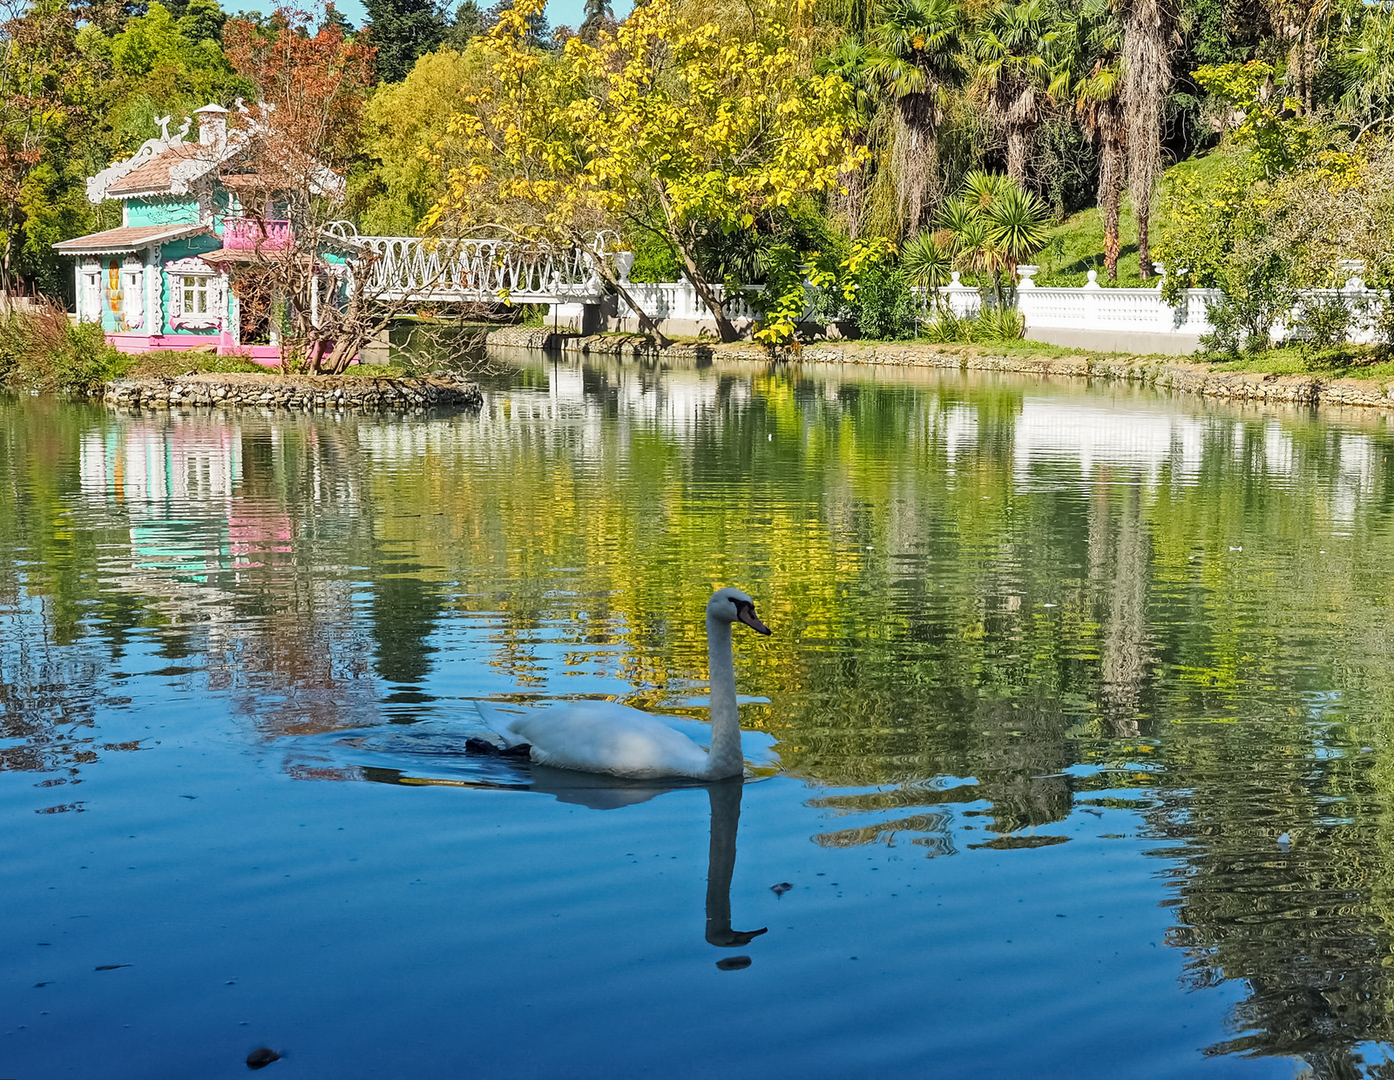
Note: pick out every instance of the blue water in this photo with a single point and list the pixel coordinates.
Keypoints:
(1040, 815)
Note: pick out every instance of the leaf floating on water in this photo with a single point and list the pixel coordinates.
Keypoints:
(733, 963)
(780, 889)
(261, 1057)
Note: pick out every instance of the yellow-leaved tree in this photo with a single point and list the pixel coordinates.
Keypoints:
(680, 122)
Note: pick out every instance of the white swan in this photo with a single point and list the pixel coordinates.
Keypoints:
(602, 737)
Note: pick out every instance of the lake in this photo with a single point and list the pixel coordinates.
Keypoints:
(1078, 701)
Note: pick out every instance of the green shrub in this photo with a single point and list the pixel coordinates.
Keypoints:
(1327, 320)
(990, 325)
(1232, 333)
(1001, 324)
(947, 329)
(886, 308)
(43, 351)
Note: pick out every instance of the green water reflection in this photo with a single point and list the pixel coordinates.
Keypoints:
(1045, 599)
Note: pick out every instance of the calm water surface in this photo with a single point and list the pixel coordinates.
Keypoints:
(1082, 698)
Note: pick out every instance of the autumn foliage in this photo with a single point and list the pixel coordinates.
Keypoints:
(314, 85)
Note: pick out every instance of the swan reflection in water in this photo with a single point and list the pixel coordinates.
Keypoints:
(609, 793)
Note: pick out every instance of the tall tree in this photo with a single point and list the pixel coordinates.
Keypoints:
(401, 31)
(598, 15)
(466, 26)
(1149, 38)
(851, 61)
(915, 55)
(304, 131)
(1090, 71)
(1011, 51)
(203, 21)
(674, 126)
(538, 33)
(38, 62)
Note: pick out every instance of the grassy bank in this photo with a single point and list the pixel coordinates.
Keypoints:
(1076, 245)
(43, 351)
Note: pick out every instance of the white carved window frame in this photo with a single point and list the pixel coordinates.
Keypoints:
(90, 291)
(204, 286)
(133, 292)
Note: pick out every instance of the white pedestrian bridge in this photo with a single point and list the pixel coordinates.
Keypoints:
(479, 270)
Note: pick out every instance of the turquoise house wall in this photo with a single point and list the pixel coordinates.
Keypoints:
(182, 249)
(160, 211)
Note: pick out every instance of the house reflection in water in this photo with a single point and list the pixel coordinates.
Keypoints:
(203, 551)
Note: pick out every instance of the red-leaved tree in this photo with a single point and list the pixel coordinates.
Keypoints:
(312, 83)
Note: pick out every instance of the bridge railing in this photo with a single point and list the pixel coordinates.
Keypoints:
(410, 268)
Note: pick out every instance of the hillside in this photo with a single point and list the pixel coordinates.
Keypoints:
(1076, 245)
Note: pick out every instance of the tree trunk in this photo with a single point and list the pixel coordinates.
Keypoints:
(915, 159)
(1148, 39)
(603, 269)
(1018, 144)
(5, 276)
(724, 326)
(1111, 165)
(1143, 214)
(853, 182)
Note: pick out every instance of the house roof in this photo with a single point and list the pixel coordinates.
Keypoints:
(118, 241)
(155, 175)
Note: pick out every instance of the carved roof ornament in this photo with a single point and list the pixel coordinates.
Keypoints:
(191, 161)
(168, 165)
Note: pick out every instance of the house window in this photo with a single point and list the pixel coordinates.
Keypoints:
(196, 295)
(132, 294)
(90, 305)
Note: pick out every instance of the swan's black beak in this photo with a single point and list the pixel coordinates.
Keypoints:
(746, 614)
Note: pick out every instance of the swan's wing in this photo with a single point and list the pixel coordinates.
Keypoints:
(757, 747)
(601, 737)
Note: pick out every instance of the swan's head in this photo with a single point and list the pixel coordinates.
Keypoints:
(732, 605)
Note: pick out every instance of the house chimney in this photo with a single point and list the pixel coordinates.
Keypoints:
(212, 125)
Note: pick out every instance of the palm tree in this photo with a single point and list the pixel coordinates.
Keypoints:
(1013, 73)
(927, 263)
(915, 56)
(992, 227)
(1089, 70)
(1149, 36)
(1018, 221)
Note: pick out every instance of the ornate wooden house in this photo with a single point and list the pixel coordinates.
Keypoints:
(191, 213)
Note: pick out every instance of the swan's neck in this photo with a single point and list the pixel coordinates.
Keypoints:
(725, 758)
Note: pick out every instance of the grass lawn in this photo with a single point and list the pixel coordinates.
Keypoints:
(1350, 362)
(171, 363)
(1076, 245)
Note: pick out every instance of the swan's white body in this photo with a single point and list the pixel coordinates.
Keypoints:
(602, 737)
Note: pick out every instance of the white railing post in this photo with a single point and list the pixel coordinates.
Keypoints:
(1025, 295)
(1091, 289)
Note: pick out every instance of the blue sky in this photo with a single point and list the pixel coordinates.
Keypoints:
(559, 12)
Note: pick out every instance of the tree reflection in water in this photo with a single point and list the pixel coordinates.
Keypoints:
(1006, 607)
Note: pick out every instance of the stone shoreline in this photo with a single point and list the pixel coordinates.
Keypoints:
(304, 392)
(1163, 374)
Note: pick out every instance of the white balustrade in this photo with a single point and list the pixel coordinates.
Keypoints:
(485, 270)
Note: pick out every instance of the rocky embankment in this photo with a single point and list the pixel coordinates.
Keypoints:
(302, 392)
(1165, 374)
